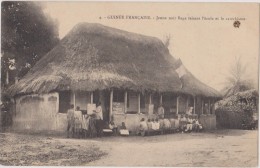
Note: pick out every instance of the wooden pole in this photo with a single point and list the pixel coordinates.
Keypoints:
(161, 99)
(74, 100)
(177, 105)
(91, 97)
(125, 101)
(7, 77)
(150, 99)
(194, 106)
(111, 105)
(139, 103)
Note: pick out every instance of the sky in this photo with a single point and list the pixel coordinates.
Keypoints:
(207, 48)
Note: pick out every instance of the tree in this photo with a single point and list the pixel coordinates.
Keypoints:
(237, 80)
(27, 34)
(167, 40)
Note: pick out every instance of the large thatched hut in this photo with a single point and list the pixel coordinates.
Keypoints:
(130, 74)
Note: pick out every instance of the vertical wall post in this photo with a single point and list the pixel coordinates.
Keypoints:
(74, 100)
(125, 101)
(150, 98)
(161, 99)
(91, 97)
(111, 105)
(194, 106)
(177, 104)
(139, 103)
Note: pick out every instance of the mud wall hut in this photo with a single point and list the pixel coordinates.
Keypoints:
(130, 74)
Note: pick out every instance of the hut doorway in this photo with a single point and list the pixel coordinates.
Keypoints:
(103, 97)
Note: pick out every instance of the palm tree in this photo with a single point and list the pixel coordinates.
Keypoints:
(237, 80)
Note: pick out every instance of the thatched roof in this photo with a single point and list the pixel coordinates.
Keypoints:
(93, 56)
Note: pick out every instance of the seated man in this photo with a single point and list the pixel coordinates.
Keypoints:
(161, 123)
(149, 125)
(167, 125)
(198, 126)
(113, 127)
(143, 127)
(177, 122)
(183, 122)
(153, 125)
(157, 124)
(172, 121)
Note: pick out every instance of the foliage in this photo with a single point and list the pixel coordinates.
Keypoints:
(27, 34)
(237, 80)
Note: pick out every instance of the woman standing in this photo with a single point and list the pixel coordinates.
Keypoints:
(99, 119)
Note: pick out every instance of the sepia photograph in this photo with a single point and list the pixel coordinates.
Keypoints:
(129, 84)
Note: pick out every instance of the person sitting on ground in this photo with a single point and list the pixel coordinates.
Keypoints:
(189, 124)
(153, 125)
(177, 122)
(123, 130)
(143, 127)
(70, 118)
(198, 125)
(172, 121)
(183, 122)
(149, 125)
(113, 127)
(161, 123)
(167, 124)
(157, 124)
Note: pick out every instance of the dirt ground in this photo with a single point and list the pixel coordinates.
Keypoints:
(221, 148)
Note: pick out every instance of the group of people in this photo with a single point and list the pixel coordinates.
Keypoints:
(92, 125)
(186, 123)
(80, 125)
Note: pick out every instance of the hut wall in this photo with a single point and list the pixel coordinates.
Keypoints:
(133, 102)
(208, 121)
(198, 105)
(82, 99)
(182, 105)
(170, 104)
(39, 112)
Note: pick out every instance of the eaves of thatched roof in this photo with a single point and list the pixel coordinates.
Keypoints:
(93, 56)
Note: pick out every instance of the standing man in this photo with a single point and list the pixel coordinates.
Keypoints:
(71, 121)
(161, 111)
(99, 119)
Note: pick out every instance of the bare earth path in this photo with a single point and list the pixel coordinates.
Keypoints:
(219, 148)
(223, 148)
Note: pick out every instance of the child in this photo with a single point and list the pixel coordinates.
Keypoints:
(78, 117)
(143, 127)
(189, 124)
(123, 130)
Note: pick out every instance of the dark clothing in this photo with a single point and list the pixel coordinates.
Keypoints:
(99, 127)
